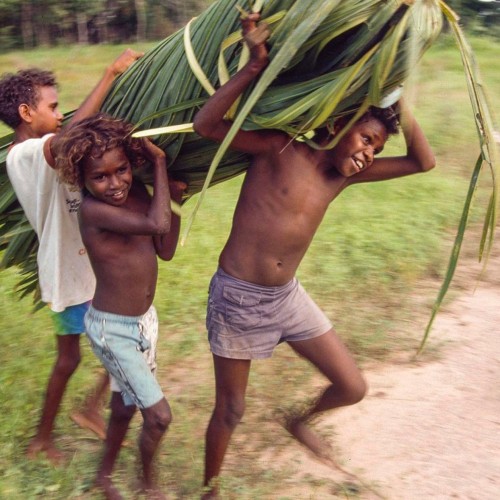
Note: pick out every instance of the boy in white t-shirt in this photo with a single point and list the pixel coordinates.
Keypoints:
(29, 104)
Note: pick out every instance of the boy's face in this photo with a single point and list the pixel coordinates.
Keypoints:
(46, 117)
(356, 150)
(109, 178)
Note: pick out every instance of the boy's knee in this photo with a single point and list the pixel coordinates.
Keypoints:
(158, 417)
(357, 390)
(163, 420)
(66, 365)
(232, 413)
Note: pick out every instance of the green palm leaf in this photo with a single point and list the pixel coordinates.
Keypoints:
(328, 58)
(488, 155)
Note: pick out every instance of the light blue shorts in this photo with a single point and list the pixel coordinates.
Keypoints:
(71, 320)
(247, 321)
(126, 346)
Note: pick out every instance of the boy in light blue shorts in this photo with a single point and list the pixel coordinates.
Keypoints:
(126, 346)
(124, 230)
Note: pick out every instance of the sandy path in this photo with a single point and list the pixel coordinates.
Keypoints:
(427, 429)
(432, 431)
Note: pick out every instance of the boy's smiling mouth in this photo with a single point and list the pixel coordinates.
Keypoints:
(358, 163)
(118, 195)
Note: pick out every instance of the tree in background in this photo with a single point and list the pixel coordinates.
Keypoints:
(32, 23)
(479, 16)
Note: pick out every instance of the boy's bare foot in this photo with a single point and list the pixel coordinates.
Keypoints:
(154, 494)
(150, 490)
(109, 490)
(304, 435)
(91, 421)
(47, 449)
(210, 495)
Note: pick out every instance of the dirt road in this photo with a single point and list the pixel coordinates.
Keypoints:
(428, 429)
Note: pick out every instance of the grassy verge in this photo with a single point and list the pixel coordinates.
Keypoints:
(375, 243)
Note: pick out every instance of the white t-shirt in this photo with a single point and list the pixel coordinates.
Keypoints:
(64, 272)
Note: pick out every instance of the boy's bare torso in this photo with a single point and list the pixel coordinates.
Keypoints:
(125, 265)
(283, 199)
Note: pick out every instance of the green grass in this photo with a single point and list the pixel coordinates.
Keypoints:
(375, 243)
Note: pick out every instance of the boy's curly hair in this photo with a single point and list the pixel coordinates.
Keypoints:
(387, 116)
(19, 88)
(89, 139)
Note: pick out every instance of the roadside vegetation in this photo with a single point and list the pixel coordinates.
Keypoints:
(376, 244)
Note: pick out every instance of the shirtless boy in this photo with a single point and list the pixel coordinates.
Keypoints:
(255, 301)
(29, 104)
(124, 231)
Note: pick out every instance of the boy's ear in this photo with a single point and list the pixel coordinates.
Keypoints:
(25, 112)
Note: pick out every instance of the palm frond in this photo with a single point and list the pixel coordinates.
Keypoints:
(329, 58)
(488, 155)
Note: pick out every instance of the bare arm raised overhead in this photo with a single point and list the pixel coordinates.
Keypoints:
(95, 99)
(419, 156)
(210, 121)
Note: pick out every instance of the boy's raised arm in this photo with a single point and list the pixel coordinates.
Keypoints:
(419, 156)
(94, 101)
(209, 122)
(159, 213)
(166, 244)
(417, 145)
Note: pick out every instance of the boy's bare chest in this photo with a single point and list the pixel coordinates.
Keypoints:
(300, 183)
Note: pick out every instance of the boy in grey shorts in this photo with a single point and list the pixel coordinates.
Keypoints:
(124, 230)
(247, 321)
(287, 189)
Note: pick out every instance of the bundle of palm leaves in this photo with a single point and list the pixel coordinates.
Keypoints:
(327, 59)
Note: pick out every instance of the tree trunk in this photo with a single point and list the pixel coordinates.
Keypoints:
(140, 12)
(83, 32)
(42, 33)
(27, 24)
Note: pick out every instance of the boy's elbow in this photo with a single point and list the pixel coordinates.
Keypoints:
(167, 256)
(162, 228)
(206, 128)
(428, 164)
(166, 252)
(200, 126)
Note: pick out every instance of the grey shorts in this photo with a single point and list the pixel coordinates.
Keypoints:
(247, 321)
(126, 346)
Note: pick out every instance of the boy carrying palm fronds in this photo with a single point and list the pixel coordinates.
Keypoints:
(255, 301)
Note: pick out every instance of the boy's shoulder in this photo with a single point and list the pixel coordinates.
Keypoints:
(27, 157)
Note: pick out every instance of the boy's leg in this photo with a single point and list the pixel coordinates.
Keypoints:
(157, 418)
(327, 353)
(231, 379)
(90, 415)
(68, 358)
(118, 425)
